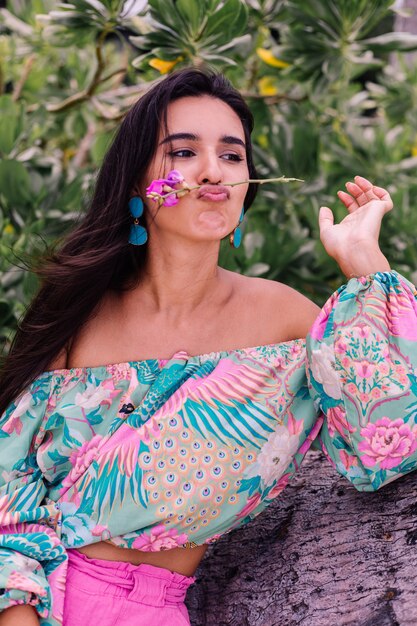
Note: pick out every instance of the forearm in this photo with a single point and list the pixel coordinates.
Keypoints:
(19, 615)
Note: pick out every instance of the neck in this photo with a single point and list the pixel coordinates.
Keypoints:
(179, 279)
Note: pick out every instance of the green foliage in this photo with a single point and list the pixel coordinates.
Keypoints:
(331, 95)
(192, 32)
(81, 20)
(325, 40)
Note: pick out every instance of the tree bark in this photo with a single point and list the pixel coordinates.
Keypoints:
(323, 554)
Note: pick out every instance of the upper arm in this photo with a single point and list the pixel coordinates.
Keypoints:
(292, 312)
(300, 312)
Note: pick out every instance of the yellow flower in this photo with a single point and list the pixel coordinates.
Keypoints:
(263, 141)
(266, 86)
(268, 58)
(414, 150)
(8, 230)
(68, 154)
(163, 66)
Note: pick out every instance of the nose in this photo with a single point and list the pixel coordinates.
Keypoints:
(210, 170)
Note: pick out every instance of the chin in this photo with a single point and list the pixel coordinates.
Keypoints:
(210, 237)
(213, 234)
(213, 222)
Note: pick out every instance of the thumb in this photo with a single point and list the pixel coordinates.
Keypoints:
(326, 219)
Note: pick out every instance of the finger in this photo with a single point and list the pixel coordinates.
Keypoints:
(349, 202)
(326, 219)
(382, 194)
(361, 196)
(367, 187)
(363, 183)
(354, 187)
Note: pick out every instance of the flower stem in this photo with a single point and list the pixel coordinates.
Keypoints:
(260, 181)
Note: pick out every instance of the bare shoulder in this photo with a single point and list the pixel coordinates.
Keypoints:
(96, 332)
(59, 362)
(283, 310)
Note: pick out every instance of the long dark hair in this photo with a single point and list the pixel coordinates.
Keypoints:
(96, 256)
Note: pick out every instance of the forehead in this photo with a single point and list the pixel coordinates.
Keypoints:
(203, 115)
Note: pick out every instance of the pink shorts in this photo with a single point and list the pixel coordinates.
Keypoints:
(111, 593)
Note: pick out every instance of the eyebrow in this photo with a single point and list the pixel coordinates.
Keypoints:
(227, 139)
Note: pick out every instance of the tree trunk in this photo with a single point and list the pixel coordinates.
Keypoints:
(323, 554)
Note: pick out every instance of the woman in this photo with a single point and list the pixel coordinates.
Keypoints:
(123, 454)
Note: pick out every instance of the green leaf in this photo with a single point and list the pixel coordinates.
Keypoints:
(15, 24)
(14, 182)
(6, 311)
(30, 284)
(390, 42)
(75, 125)
(100, 146)
(163, 11)
(231, 19)
(11, 123)
(192, 11)
(70, 198)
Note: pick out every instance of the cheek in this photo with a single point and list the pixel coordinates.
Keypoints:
(243, 191)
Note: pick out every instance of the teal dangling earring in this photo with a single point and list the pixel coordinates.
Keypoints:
(138, 235)
(235, 237)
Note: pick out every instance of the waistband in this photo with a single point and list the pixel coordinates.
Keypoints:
(145, 583)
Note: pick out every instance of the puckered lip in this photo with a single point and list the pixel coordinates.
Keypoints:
(213, 189)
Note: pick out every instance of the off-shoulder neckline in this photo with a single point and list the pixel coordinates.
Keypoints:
(179, 355)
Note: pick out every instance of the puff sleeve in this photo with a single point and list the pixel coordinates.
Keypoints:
(32, 557)
(362, 368)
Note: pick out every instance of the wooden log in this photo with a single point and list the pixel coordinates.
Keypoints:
(323, 554)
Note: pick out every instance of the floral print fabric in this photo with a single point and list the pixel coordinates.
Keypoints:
(362, 368)
(161, 453)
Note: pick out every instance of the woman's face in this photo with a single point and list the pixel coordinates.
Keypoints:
(205, 141)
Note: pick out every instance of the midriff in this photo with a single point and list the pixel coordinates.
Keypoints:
(182, 560)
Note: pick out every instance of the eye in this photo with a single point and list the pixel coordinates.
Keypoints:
(181, 153)
(232, 156)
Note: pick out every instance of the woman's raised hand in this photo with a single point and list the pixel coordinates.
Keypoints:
(354, 242)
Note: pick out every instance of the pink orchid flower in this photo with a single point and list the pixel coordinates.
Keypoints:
(165, 189)
(156, 187)
(174, 177)
(171, 200)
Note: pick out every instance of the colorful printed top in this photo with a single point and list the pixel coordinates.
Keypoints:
(160, 453)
